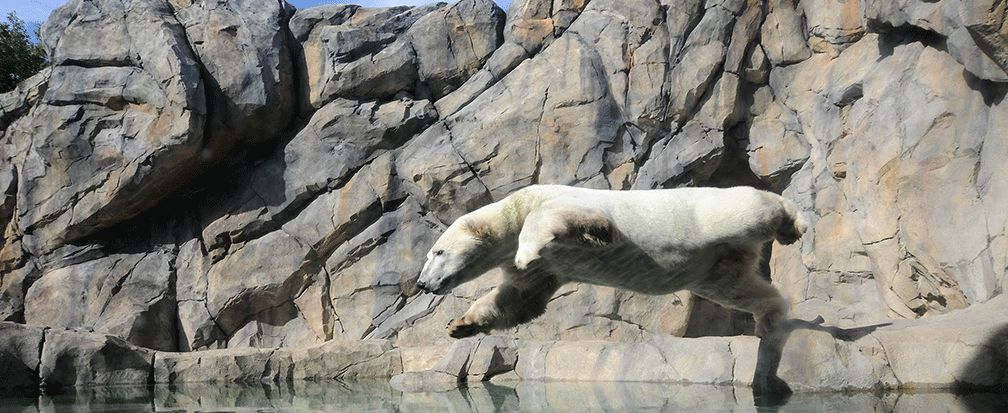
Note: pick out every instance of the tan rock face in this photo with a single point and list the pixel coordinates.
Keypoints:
(833, 25)
(121, 108)
(348, 51)
(240, 177)
(533, 24)
(782, 37)
(896, 198)
(245, 53)
(122, 295)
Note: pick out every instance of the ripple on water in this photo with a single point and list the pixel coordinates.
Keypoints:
(365, 396)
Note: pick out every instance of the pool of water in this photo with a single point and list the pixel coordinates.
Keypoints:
(378, 396)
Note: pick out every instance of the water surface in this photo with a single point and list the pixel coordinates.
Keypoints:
(378, 396)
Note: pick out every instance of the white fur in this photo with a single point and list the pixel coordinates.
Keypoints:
(671, 238)
(705, 240)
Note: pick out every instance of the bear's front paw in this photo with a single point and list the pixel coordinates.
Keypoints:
(769, 391)
(462, 328)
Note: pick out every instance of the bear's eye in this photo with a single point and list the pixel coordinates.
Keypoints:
(438, 252)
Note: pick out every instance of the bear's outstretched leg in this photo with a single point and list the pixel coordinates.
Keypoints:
(518, 299)
(742, 289)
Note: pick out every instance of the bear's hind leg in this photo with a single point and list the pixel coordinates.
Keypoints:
(739, 287)
(517, 300)
(735, 283)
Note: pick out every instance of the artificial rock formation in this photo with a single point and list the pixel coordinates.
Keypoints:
(243, 183)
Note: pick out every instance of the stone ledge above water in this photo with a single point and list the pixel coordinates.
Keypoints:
(963, 350)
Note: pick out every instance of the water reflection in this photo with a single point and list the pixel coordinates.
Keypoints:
(377, 396)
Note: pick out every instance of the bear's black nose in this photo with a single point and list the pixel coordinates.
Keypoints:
(423, 286)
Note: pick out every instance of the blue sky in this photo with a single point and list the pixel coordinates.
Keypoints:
(36, 11)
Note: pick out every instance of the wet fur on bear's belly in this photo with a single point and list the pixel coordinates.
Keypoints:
(629, 267)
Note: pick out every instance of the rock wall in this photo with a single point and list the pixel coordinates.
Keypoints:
(232, 174)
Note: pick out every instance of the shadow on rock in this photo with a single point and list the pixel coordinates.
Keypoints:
(769, 390)
(983, 383)
(842, 334)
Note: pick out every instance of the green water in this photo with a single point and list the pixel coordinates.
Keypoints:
(377, 396)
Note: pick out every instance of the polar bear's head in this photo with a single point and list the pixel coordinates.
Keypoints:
(461, 254)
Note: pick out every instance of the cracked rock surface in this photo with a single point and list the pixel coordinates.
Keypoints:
(243, 191)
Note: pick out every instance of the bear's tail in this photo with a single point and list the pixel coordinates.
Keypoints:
(792, 224)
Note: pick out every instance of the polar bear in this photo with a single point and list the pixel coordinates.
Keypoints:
(705, 240)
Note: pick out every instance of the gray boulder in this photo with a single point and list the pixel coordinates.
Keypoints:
(363, 53)
(20, 349)
(974, 31)
(454, 42)
(245, 55)
(121, 117)
(13, 286)
(127, 295)
(71, 358)
(339, 360)
(348, 51)
(469, 360)
(533, 24)
(245, 365)
(832, 25)
(782, 37)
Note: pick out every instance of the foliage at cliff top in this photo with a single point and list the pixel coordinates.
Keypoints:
(21, 57)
